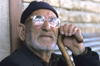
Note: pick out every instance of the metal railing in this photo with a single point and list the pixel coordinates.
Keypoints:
(90, 40)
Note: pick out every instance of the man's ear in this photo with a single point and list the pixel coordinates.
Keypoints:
(21, 31)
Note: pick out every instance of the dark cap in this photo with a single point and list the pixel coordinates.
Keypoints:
(33, 6)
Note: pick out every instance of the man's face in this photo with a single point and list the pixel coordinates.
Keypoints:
(42, 37)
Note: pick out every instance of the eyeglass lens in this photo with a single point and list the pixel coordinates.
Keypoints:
(39, 20)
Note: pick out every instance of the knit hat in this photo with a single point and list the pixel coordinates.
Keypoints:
(33, 6)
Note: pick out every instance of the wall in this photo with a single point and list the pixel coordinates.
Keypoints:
(83, 13)
(4, 29)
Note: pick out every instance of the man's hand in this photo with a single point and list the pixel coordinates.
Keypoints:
(68, 30)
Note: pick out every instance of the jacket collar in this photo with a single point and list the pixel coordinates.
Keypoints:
(32, 57)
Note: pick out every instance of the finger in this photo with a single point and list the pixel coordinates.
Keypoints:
(79, 30)
(75, 29)
(70, 29)
(66, 29)
(61, 30)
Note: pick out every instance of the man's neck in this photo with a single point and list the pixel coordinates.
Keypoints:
(45, 55)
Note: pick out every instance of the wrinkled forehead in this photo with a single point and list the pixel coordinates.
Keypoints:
(43, 12)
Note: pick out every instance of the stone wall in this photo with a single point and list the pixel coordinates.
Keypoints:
(83, 13)
(4, 29)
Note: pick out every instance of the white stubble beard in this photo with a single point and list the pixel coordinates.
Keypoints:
(36, 45)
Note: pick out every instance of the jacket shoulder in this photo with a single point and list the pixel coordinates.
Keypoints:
(17, 58)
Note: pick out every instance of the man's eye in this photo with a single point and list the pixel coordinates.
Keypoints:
(38, 17)
(51, 19)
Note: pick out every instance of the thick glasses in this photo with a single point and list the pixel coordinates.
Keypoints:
(40, 20)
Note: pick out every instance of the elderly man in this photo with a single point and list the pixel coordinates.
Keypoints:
(38, 32)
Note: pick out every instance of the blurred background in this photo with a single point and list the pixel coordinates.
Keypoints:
(83, 13)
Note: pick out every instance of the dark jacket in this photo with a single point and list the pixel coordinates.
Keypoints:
(24, 57)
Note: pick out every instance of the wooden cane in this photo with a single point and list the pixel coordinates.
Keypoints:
(79, 39)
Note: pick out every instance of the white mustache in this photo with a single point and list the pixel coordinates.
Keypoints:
(46, 34)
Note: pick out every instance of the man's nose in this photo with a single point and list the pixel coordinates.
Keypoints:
(46, 26)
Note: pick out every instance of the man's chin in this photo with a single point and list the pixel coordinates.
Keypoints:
(46, 42)
(44, 46)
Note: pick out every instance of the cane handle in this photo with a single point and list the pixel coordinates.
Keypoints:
(79, 39)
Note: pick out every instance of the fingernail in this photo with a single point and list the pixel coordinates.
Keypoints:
(62, 32)
(69, 34)
(73, 33)
(66, 34)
